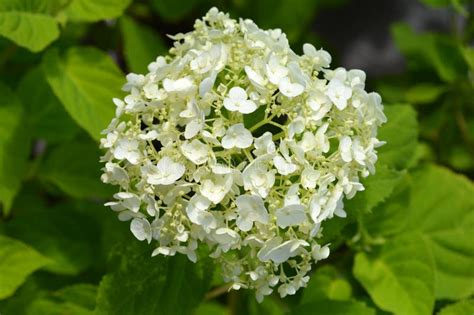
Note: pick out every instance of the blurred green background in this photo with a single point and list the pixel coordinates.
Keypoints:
(57, 57)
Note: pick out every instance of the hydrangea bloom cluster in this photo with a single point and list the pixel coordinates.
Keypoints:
(236, 143)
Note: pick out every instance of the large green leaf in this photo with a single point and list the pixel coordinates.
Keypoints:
(389, 218)
(327, 283)
(79, 294)
(17, 261)
(269, 305)
(74, 167)
(31, 30)
(377, 188)
(442, 210)
(211, 309)
(35, 6)
(438, 205)
(141, 44)
(465, 307)
(400, 276)
(67, 237)
(14, 146)
(401, 133)
(85, 80)
(50, 121)
(329, 307)
(92, 10)
(72, 300)
(143, 285)
(45, 306)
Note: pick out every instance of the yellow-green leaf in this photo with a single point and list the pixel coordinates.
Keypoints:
(399, 277)
(33, 31)
(17, 262)
(85, 80)
(14, 146)
(93, 10)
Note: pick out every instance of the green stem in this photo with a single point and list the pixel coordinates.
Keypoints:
(262, 123)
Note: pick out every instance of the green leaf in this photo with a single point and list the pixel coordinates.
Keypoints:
(468, 53)
(45, 306)
(269, 305)
(14, 147)
(66, 237)
(211, 309)
(399, 277)
(465, 307)
(442, 210)
(328, 307)
(143, 285)
(424, 93)
(377, 188)
(17, 262)
(93, 11)
(429, 49)
(173, 11)
(438, 205)
(83, 295)
(85, 80)
(31, 30)
(447, 59)
(74, 167)
(76, 299)
(401, 133)
(389, 217)
(50, 121)
(29, 291)
(327, 283)
(141, 44)
(36, 6)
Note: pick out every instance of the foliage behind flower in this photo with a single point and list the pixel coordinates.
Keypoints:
(235, 141)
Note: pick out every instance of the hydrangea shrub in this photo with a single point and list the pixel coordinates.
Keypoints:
(235, 142)
(234, 160)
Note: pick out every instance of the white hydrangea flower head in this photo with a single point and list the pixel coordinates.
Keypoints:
(236, 143)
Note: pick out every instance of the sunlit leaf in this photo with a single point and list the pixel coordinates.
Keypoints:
(85, 80)
(92, 10)
(442, 210)
(399, 276)
(17, 261)
(14, 146)
(465, 307)
(27, 25)
(328, 307)
(400, 133)
(327, 283)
